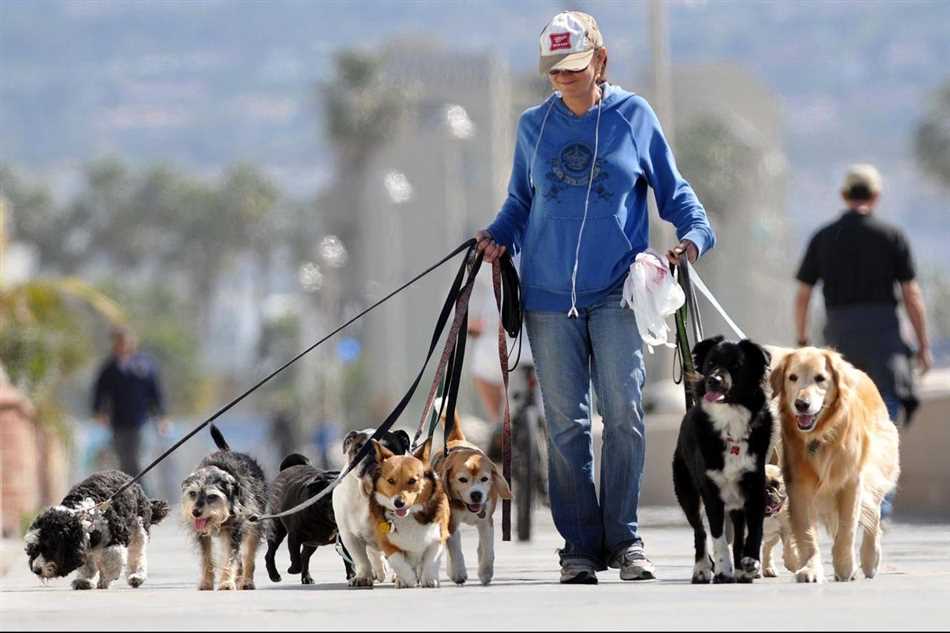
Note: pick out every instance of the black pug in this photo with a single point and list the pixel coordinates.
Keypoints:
(217, 500)
(97, 541)
(720, 457)
(307, 529)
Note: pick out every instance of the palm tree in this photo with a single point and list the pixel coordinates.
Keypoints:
(932, 138)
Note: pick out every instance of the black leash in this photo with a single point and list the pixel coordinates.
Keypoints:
(683, 347)
(458, 290)
(466, 246)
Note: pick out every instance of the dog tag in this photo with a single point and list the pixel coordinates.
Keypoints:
(385, 527)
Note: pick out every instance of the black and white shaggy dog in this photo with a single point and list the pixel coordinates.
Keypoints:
(97, 541)
(307, 529)
(720, 457)
(217, 499)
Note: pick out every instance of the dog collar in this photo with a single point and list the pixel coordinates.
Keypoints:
(813, 447)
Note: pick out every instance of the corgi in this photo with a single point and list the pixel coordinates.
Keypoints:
(411, 512)
(473, 484)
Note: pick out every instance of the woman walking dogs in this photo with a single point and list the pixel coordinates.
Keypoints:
(577, 210)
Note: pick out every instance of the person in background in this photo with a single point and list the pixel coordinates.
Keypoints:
(576, 208)
(859, 260)
(126, 394)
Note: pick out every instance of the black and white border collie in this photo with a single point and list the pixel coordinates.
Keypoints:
(97, 541)
(720, 457)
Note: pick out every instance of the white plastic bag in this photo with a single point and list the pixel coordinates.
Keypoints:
(653, 295)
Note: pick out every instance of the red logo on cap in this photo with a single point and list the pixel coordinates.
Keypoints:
(560, 41)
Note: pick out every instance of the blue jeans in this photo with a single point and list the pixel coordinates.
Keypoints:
(893, 404)
(603, 345)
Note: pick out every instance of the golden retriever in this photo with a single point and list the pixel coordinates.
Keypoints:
(839, 457)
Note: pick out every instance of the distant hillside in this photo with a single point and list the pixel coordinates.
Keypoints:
(204, 84)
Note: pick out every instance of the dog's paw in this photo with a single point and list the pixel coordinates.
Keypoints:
(247, 585)
(459, 578)
(404, 584)
(749, 570)
(226, 586)
(486, 577)
(306, 579)
(724, 579)
(845, 577)
(136, 580)
(429, 583)
(82, 584)
(702, 572)
(360, 582)
(206, 584)
(809, 575)
(769, 572)
(103, 584)
(294, 569)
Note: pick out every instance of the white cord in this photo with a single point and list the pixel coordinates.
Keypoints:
(572, 313)
(538, 143)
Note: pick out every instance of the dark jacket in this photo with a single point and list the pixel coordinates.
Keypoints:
(128, 392)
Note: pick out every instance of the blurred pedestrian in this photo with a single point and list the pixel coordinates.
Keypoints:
(127, 393)
(577, 210)
(859, 260)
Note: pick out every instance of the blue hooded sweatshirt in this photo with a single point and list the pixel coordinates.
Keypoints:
(566, 247)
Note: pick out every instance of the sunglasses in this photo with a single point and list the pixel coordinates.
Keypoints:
(555, 73)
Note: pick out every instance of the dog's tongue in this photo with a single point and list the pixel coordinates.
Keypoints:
(805, 422)
(201, 523)
(401, 512)
(714, 396)
(474, 508)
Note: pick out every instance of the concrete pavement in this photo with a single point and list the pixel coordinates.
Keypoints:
(911, 593)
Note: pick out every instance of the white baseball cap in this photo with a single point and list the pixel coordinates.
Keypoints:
(863, 175)
(568, 42)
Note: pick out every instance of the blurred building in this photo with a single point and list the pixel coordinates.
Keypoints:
(441, 175)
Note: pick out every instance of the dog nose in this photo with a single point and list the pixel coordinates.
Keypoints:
(714, 381)
(398, 502)
(196, 512)
(476, 496)
(801, 406)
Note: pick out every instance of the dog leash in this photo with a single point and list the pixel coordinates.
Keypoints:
(506, 428)
(457, 297)
(466, 247)
(688, 278)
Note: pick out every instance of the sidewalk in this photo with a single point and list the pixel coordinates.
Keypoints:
(911, 593)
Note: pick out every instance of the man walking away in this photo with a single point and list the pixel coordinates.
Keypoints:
(127, 392)
(859, 259)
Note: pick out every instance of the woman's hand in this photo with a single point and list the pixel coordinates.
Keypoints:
(489, 248)
(692, 253)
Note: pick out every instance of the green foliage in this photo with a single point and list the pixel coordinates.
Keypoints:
(932, 137)
(39, 346)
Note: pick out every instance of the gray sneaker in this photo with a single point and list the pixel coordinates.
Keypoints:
(578, 572)
(634, 564)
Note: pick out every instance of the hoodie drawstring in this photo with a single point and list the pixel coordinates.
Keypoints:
(572, 313)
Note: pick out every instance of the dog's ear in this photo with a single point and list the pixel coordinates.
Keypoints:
(423, 451)
(758, 357)
(380, 452)
(777, 377)
(842, 373)
(348, 439)
(499, 482)
(403, 441)
(701, 349)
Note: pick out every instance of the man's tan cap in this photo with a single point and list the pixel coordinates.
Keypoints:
(863, 174)
(568, 42)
